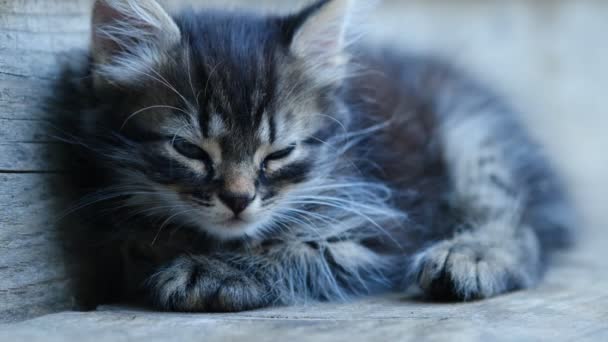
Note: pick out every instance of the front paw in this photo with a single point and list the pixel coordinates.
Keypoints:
(469, 268)
(196, 284)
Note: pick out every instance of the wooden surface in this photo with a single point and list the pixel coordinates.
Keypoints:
(545, 55)
(33, 272)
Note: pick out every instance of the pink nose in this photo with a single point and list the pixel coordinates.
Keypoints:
(236, 202)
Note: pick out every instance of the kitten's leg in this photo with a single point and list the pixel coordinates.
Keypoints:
(283, 273)
(509, 200)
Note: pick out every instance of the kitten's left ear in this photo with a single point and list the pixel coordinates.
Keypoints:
(126, 34)
(320, 34)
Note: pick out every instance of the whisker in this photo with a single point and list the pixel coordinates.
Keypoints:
(189, 72)
(131, 116)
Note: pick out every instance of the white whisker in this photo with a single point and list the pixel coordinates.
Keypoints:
(131, 116)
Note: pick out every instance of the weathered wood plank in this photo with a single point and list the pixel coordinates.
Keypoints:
(34, 31)
(34, 277)
(20, 96)
(33, 273)
(29, 157)
(24, 131)
(28, 145)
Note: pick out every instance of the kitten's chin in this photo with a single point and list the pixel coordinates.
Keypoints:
(231, 229)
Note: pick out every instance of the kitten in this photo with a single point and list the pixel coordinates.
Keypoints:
(236, 161)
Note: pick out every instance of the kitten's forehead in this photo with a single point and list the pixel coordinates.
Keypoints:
(233, 63)
(245, 89)
(241, 76)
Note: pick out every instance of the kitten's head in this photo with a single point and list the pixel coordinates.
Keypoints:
(217, 120)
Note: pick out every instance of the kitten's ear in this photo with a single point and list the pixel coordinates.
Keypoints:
(320, 34)
(130, 29)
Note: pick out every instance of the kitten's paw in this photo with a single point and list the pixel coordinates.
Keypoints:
(468, 268)
(205, 284)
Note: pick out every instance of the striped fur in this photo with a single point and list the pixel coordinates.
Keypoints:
(251, 160)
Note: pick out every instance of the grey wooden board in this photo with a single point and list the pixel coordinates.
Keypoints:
(33, 273)
(542, 54)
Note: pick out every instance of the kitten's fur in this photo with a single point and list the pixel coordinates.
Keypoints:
(352, 170)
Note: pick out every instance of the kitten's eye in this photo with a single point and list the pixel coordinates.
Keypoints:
(190, 150)
(282, 154)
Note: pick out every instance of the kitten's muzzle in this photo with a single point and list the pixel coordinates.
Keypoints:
(236, 202)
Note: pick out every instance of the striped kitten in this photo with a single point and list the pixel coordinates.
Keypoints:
(236, 161)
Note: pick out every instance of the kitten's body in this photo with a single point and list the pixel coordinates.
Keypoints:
(400, 172)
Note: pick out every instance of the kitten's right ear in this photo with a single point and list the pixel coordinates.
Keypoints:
(320, 34)
(129, 34)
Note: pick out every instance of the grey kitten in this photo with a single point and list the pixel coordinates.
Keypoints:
(237, 160)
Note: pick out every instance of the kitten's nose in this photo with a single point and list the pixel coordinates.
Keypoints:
(236, 202)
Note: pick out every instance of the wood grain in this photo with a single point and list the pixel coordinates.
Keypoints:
(34, 277)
